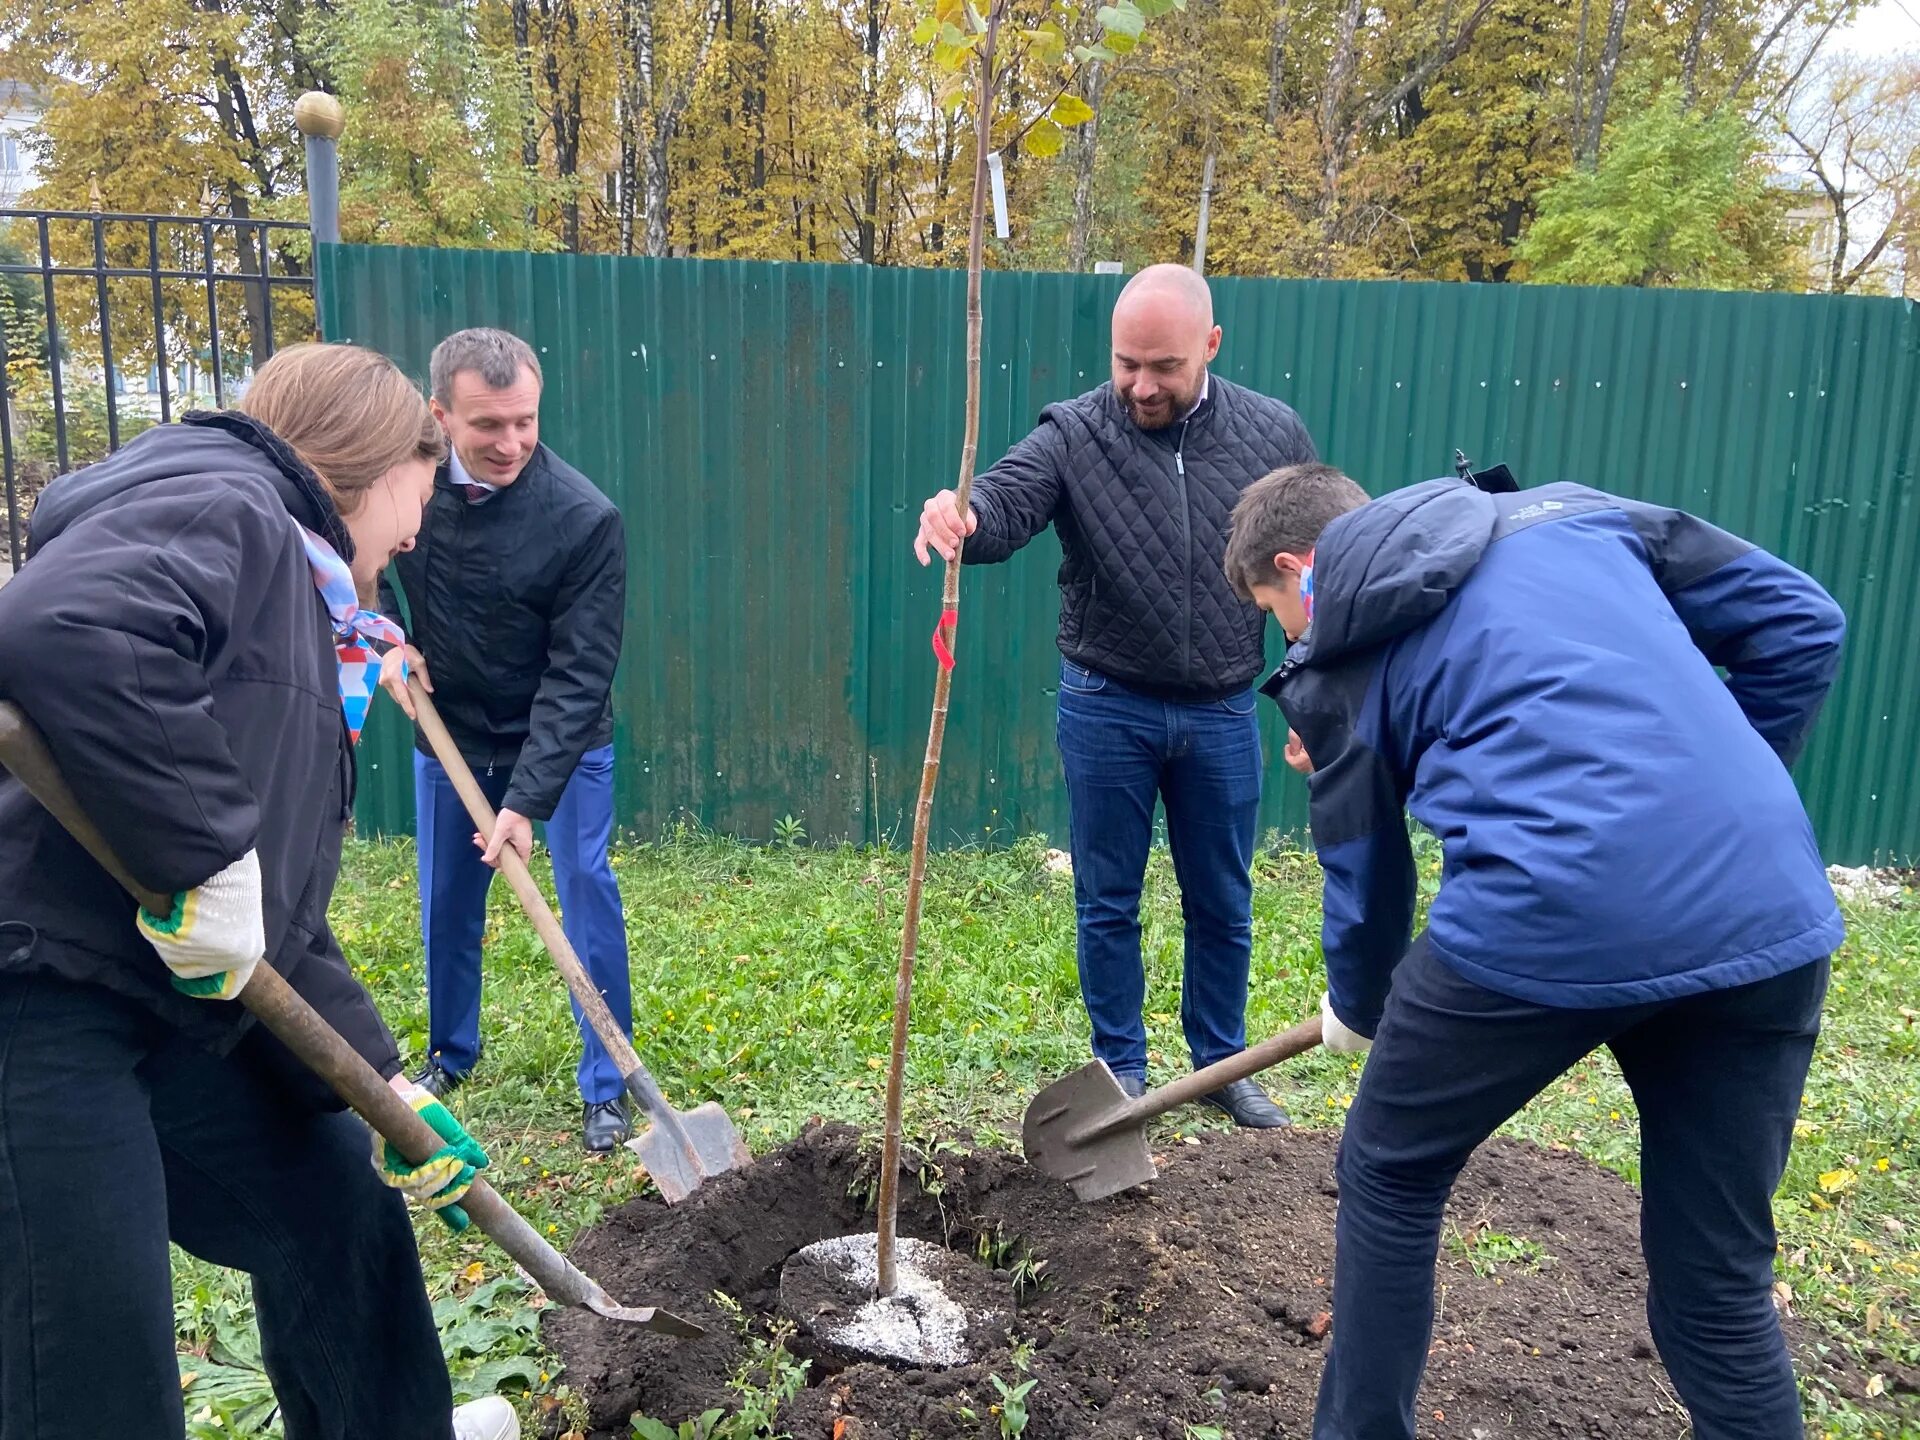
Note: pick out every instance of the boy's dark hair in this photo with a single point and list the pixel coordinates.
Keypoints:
(1284, 513)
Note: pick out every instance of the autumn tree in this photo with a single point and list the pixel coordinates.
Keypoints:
(1857, 130)
(433, 151)
(1677, 199)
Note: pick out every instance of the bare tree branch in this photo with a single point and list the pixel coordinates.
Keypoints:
(1761, 50)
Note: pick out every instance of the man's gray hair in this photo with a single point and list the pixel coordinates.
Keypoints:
(496, 356)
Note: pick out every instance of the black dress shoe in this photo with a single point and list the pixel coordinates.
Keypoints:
(1134, 1085)
(1250, 1107)
(438, 1081)
(605, 1125)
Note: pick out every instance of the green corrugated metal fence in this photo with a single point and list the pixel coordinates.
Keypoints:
(770, 431)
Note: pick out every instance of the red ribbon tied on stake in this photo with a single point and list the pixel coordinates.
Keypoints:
(943, 634)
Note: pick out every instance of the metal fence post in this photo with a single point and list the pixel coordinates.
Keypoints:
(321, 120)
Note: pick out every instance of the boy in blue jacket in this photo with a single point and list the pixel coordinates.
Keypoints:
(1627, 864)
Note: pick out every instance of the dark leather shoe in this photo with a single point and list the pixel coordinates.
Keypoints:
(1134, 1085)
(605, 1125)
(438, 1081)
(1248, 1105)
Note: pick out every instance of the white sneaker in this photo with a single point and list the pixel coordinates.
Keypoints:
(488, 1419)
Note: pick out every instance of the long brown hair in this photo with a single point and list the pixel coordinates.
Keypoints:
(348, 412)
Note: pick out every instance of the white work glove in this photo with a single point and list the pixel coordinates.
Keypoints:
(215, 934)
(1337, 1037)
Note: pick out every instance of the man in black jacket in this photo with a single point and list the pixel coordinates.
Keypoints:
(515, 594)
(1139, 478)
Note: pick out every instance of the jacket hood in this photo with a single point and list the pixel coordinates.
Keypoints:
(223, 442)
(1391, 565)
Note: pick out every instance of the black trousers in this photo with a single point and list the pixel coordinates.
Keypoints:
(1717, 1078)
(115, 1135)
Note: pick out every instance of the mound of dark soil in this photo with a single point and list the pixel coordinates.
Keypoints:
(1200, 1300)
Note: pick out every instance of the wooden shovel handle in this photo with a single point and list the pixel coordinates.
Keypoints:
(1284, 1046)
(545, 923)
(281, 1008)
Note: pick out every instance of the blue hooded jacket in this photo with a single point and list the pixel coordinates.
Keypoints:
(1533, 676)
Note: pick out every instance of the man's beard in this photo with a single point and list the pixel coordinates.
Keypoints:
(1161, 416)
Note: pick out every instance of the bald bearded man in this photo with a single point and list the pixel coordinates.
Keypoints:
(1158, 655)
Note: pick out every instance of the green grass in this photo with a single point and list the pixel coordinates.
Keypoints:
(763, 978)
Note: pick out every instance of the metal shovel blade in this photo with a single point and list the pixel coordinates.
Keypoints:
(1078, 1130)
(707, 1145)
(647, 1317)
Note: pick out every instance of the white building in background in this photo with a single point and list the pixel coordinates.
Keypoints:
(19, 122)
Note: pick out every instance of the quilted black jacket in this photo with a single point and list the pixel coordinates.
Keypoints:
(518, 605)
(166, 635)
(1143, 517)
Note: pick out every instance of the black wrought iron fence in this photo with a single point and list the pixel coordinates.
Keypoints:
(111, 322)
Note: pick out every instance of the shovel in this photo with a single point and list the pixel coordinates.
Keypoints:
(680, 1150)
(301, 1029)
(1084, 1130)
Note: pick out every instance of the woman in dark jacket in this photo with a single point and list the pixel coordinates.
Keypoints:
(187, 634)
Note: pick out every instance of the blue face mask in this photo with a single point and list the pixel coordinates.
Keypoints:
(1306, 587)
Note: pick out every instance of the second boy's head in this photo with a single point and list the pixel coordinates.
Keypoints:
(1275, 528)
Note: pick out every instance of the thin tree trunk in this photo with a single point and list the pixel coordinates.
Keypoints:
(757, 103)
(1277, 58)
(627, 102)
(529, 128)
(945, 151)
(870, 138)
(1086, 154)
(236, 120)
(1333, 104)
(1580, 76)
(943, 676)
(1603, 85)
(563, 115)
(656, 183)
(1690, 56)
(575, 124)
(1206, 212)
(1761, 50)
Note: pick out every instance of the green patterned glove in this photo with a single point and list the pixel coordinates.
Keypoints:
(440, 1181)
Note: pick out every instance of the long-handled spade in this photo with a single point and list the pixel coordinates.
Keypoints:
(284, 1012)
(1084, 1130)
(680, 1149)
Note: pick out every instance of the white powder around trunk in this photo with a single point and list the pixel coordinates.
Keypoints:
(918, 1324)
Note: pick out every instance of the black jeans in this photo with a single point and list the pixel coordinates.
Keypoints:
(1717, 1078)
(116, 1135)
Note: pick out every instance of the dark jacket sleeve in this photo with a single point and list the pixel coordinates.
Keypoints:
(107, 655)
(1356, 810)
(1015, 500)
(1773, 629)
(583, 653)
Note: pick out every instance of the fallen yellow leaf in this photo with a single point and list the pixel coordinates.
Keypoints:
(1877, 1386)
(1835, 1181)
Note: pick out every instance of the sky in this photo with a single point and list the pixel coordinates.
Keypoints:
(1886, 25)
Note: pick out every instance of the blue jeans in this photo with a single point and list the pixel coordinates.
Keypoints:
(453, 909)
(116, 1135)
(1122, 751)
(1717, 1078)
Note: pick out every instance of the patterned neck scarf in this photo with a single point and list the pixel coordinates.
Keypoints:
(1306, 587)
(356, 631)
